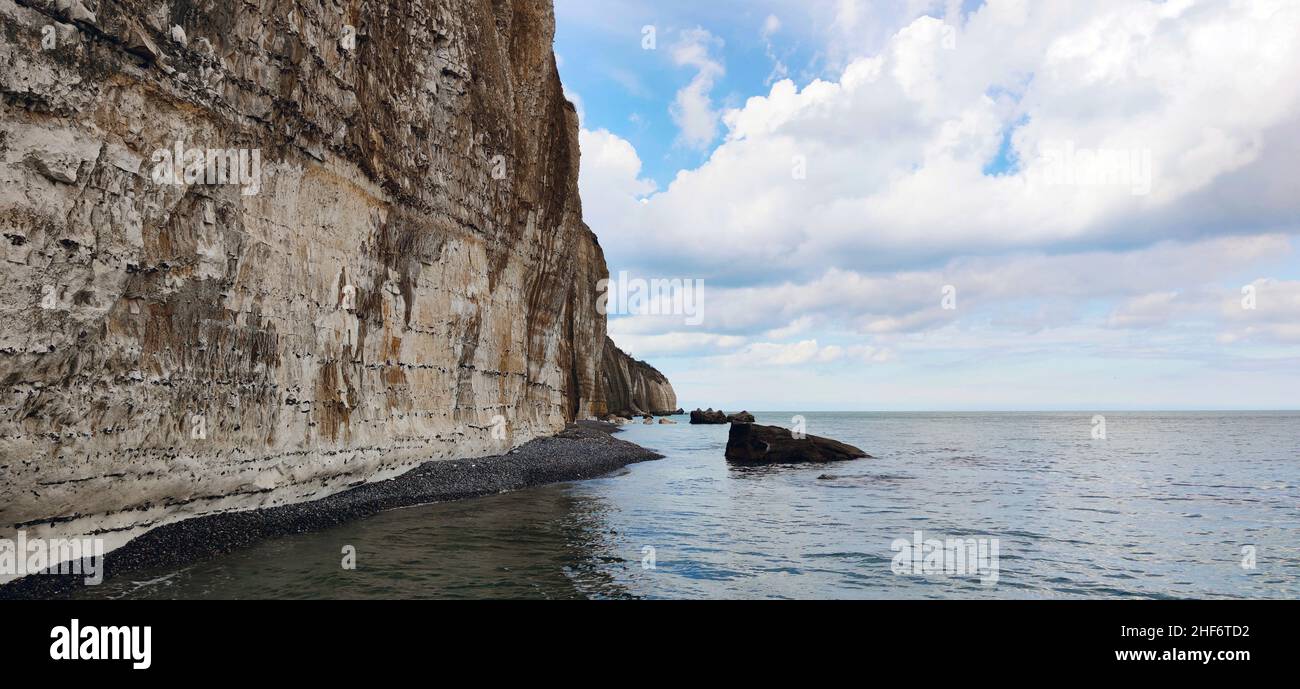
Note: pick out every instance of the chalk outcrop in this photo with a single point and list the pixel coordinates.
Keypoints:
(256, 253)
(634, 388)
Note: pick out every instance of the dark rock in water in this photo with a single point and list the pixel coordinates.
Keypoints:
(828, 477)
(708, 417)
(742, 417)
(754, 444)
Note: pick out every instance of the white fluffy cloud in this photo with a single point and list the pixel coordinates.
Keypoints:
(961, 150)
(693, 109)
(896, 149)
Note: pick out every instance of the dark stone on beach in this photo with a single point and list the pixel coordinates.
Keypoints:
(751, 443)
(709, 416)
(742, 417)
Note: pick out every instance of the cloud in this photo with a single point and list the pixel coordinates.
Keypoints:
(673, 343)
(767, 354)
(771, 26)
(692, 110)
(1267, 311)
(960, 148)
(896, 149)
(999, 301)
(610, 179)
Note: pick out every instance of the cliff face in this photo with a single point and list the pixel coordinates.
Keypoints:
(406, 277)
(632, 388)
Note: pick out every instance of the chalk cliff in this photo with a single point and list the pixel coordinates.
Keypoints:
(392, 266)
(632, 388)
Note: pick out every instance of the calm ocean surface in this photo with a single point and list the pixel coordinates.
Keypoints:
(1162, 508)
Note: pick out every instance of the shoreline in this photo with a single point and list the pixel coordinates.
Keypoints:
(582, 451)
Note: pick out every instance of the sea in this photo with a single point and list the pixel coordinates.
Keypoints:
(950, 506)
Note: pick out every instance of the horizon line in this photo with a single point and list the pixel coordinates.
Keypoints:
(1010, 411)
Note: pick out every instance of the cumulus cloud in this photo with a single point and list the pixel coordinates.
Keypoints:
(692, 110)
(897, 150)
(611, 181)
(969, 148)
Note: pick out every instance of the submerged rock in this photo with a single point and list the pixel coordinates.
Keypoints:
(667, 422)
(754, 444)
(708, 416)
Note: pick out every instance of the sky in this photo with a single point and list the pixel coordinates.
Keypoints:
(947, 204)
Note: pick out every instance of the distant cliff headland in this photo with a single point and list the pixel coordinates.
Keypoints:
(254, 257)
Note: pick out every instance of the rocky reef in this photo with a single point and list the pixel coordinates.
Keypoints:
(634, 388)
(751, 443)
(709, 417)
(258, 252)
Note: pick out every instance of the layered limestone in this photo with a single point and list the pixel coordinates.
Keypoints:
(255, 252)
(633, 388)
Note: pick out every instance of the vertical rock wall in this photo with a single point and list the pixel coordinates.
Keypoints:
(633, 388)
(410, 273)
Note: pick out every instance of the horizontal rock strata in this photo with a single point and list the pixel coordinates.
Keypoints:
(633, 388)
(258, 252)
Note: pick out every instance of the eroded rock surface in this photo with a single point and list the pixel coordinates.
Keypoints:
(634, 388)
(709, 417)
(751, 443)
(406, 277)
